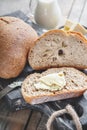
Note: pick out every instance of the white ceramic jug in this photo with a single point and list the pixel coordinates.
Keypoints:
(47, 13)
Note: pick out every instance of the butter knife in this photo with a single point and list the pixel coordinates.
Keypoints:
(9, 88)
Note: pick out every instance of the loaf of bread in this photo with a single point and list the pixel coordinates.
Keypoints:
(16, 38)
(76, 84)
(57, 48)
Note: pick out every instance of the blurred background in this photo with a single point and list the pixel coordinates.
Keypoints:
(73, 9)
(9, 6)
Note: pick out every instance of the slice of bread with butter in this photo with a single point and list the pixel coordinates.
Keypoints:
(57, 48)
(52, 82)
(67, 83)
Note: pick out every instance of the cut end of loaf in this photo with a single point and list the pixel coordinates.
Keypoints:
(76, 84)
(57, 48)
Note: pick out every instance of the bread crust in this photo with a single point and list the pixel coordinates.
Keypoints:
(78, 34)
(16, 39)
(66, 34)
(49, 98)
(52, 96)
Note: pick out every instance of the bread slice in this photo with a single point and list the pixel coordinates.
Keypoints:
(76, 84)
(57, 48)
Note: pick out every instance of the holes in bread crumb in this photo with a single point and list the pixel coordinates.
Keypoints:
(17, 28)
(55, 40)
(35, 90)
(47, 39)
(24, 89)
(53, 92)
(44, 55)
(60, 52)
(47, 50)
(74, 83)
(64, 73)
(54, 58)
(80, 41)
(64, 44)
(31, 51)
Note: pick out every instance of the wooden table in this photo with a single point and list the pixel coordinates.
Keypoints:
(74, 10)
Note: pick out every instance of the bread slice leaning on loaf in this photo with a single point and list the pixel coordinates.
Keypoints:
(76, 84)
(57, 48)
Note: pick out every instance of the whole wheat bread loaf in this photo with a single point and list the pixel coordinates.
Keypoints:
(16, 39)
(57, 48)
(76, 84)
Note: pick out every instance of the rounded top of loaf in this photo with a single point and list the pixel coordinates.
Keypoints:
(16, 38)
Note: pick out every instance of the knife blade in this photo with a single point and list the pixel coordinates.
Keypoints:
(9, 88)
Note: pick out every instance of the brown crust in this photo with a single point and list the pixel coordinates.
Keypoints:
(54, 97)
(78, 34)
(16, 38)
(45, 34)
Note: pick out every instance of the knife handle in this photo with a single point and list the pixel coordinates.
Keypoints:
(5, 91)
